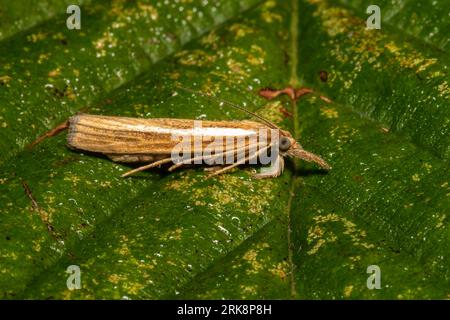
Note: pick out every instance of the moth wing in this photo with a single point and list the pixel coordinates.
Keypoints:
(118, 135)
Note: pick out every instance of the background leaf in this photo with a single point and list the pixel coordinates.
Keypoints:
(306, 234)
(16, 16)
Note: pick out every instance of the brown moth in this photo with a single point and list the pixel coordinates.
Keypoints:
(134, 140)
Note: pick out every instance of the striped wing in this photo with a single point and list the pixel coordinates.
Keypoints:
(133, 136)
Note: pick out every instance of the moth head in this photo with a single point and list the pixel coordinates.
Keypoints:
(288, 146)
(285, 142)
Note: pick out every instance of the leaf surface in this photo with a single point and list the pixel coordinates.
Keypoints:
(307, 234)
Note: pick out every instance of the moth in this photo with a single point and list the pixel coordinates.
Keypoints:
(151, 141)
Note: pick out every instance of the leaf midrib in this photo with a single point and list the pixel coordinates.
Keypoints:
(294, 82)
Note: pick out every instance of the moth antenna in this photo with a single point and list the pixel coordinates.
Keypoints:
(231, 104)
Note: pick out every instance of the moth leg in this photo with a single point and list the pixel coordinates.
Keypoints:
(237, 151)
(275, 169)
(147, 166)
(215, 156)
(250, 157)
(214, 168)
(188, 161)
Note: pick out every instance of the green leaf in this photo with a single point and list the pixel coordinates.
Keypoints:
(16, 16)
(307, 234)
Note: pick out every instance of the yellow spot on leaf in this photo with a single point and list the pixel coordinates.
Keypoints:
(427, 166)
(444, 90)
(148, 9)
(268, 14)
(249, 289)
(227, 189)
(108, 40)
(319, 236)
(330, 113)
(54, 73)
(195, 58)
(348, 291)
(210, 39)
(43, 57)
(35, 37)
(281, 270)
(441, 220)
(172, 235)
(72, 178)
(354, 260)
(114, 278)
(240, 30)
(236, 66)
(250, 256)
(392, 47)
(5, 79)
(105, 184)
